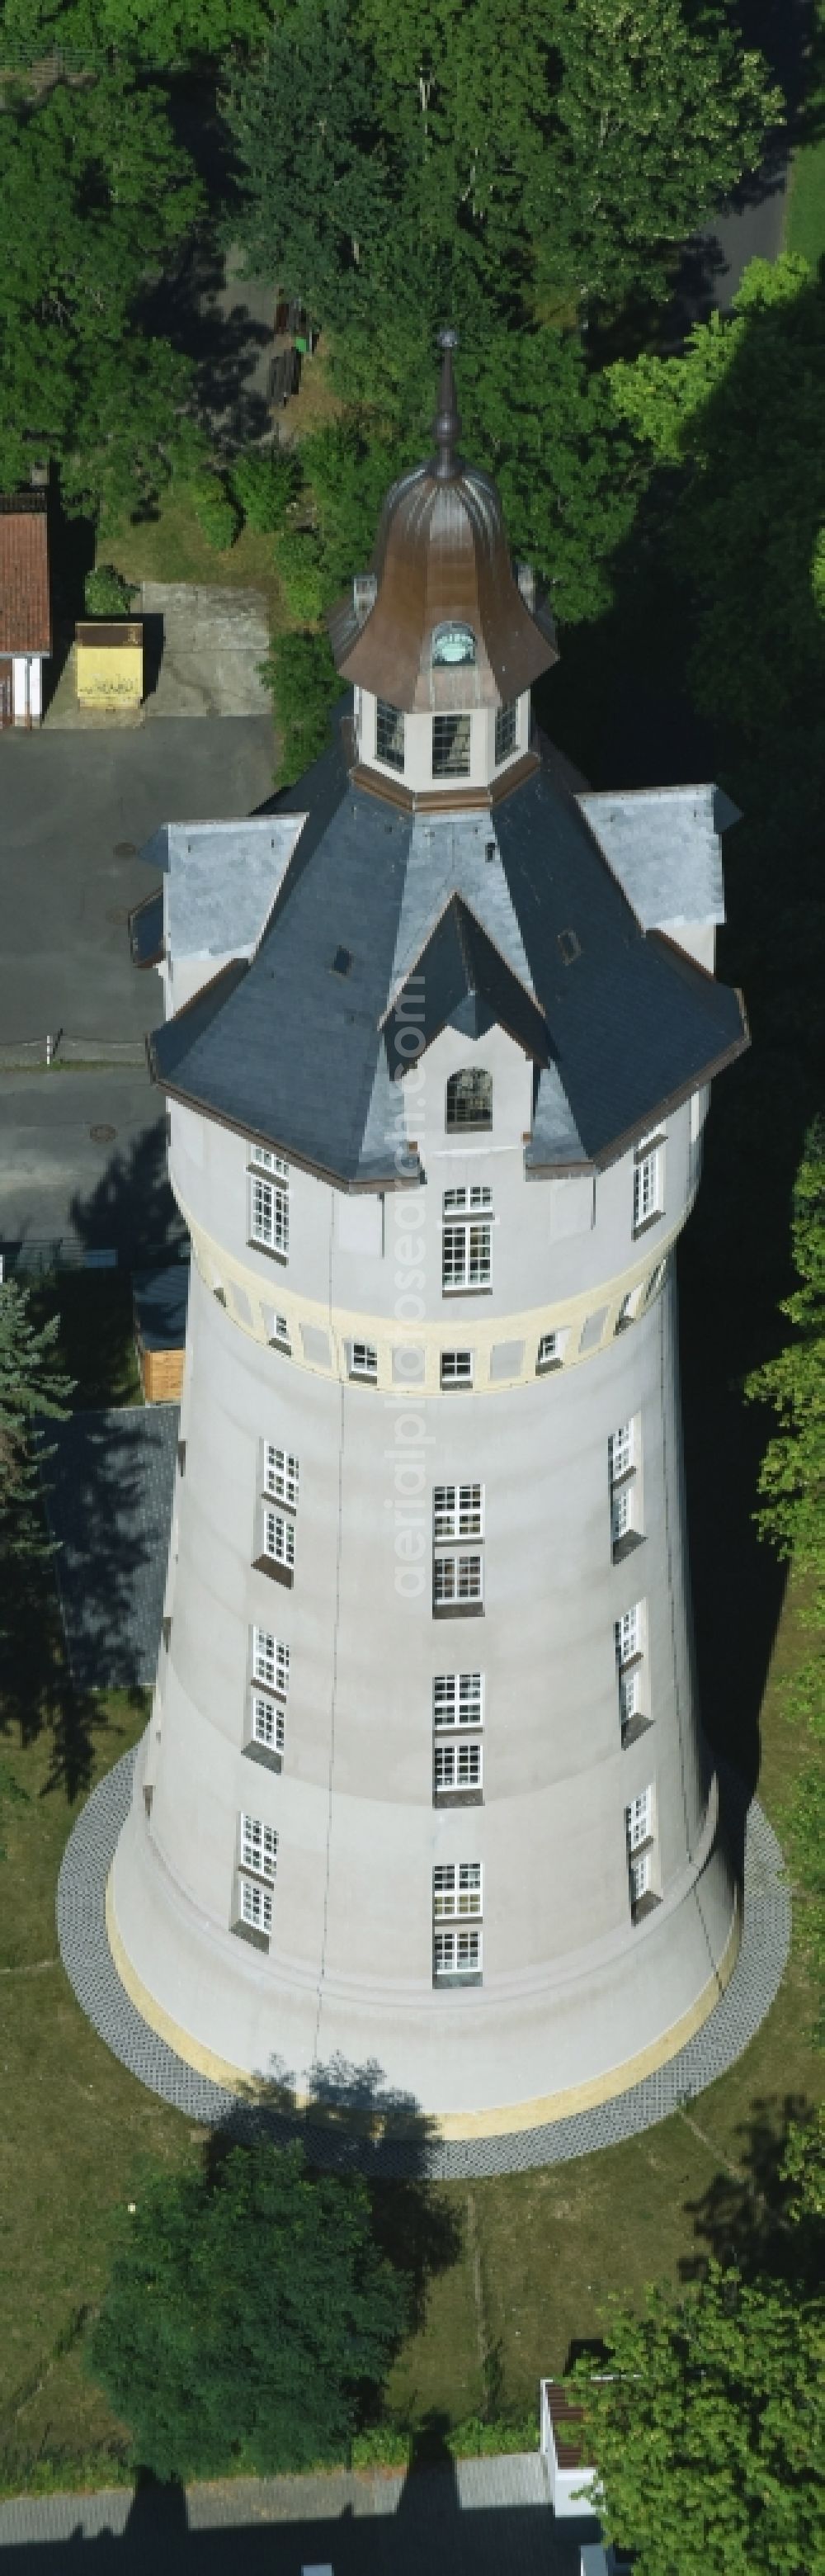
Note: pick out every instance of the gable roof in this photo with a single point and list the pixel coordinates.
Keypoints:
(465, 981)
(518, 908)
(25, 611)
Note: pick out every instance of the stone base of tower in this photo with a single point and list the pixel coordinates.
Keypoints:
(506, 2056)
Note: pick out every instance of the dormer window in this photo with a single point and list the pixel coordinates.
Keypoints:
(389, 734)
(470, 1098)
(451, 746)
(452, 644)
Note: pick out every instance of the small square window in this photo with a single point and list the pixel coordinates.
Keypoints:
(279, 1539)
(280, 1334)
(256, 1906)
(451, 746)
(280, 1475)
(363, 1360)
(458, 1699)
(456, 1368)
(259, 1847)
(270, 1661)
(457, 1767)
(268, 1723)
(550, 1351)
(648, 1182)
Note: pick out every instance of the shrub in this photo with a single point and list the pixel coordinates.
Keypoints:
(217, 514)
(107, 593)
(299, 563)
(265, 486)
(304, 682)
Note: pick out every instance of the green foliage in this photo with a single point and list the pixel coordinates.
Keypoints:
(741, 414)
(804, 2166)
(299, 561)
(706, 2430)
(265, 487)
(792, 1478)
(148, 31)
(96, 194)
(11, 1795)
(30, 1384)
(217, 512)
(106, 592)
(304, 682)
(246, 2315)
(397, 166)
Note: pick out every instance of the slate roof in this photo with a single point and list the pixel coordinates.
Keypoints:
(25, 611)
(160, 1299)
(663, 843)
(293, 1053)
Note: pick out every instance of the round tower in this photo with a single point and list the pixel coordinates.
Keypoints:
(423, 1789)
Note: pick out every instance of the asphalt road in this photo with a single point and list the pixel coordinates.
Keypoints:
(66, 800)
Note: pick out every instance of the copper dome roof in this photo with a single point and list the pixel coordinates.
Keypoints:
(442, 559)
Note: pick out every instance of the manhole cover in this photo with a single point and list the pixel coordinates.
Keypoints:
(102, 1135)
(118, 912)
(125, 849)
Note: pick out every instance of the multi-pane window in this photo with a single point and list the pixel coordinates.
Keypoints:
(466, 1257)
(280, 1333)
(456, 1890)
(457, 1954)
(259, 1847)
(269, 1202)
(270, 1661)
(456, 1368)
(621, 1451)
(629, 1634)
(451, 746)
(457, 1904)
(279, 1538)
(639, 1819)
(457, 1578)
(268, 1723)
(280, 1475)
(630, 1694)
(458, 1699)
(506, 730)
(458, 1766)
(648, 1181)
(622, 1458)
(470, 1098)
(363, 1360)
(458, 1511)
(640, 1880)
(389, 734)
(256, 1906)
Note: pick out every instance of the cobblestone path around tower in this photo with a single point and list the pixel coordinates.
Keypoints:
(88, 1962)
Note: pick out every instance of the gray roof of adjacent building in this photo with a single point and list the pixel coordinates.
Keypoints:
(542, 914)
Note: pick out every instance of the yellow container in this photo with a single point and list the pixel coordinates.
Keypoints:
(110, 665)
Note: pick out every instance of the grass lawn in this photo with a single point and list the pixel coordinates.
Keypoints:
(805, 222)
(541, 2252)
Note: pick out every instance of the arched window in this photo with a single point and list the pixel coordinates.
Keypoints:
(453, 644)
(470, 1098)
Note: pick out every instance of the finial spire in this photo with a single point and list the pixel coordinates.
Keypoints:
(446, 425)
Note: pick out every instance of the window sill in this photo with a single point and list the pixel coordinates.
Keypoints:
(285, 1348)
(647, 1222)
(277, 1573)
(463, 1289)
(635, 1727)
(263, 1753)
(469, 1127)
(545, 1368)
(458, 1797)
(627, 1546)
(269, 1252)
(458, 1609)
(247, 1932)
(455, 1386)
(646, 1905)
(358, 1377)
(468, 1977)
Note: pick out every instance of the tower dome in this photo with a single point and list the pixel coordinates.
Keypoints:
(443, 621)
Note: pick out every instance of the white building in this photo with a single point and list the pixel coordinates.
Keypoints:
(424, 1787)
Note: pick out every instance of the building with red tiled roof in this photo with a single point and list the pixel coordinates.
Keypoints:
(25, 608)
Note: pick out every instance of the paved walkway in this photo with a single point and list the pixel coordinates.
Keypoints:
(476, 2518)
(722, 2039)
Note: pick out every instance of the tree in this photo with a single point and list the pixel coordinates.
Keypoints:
(706, 2429)
(792, 1518)
(301, 674)
(247, 2313)
(96, 195)
(739, 416)
(399, 166)
(31, 1384)
(107, 593)
(148, 31)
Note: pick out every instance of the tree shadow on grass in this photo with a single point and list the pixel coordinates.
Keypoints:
(743, 2218)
